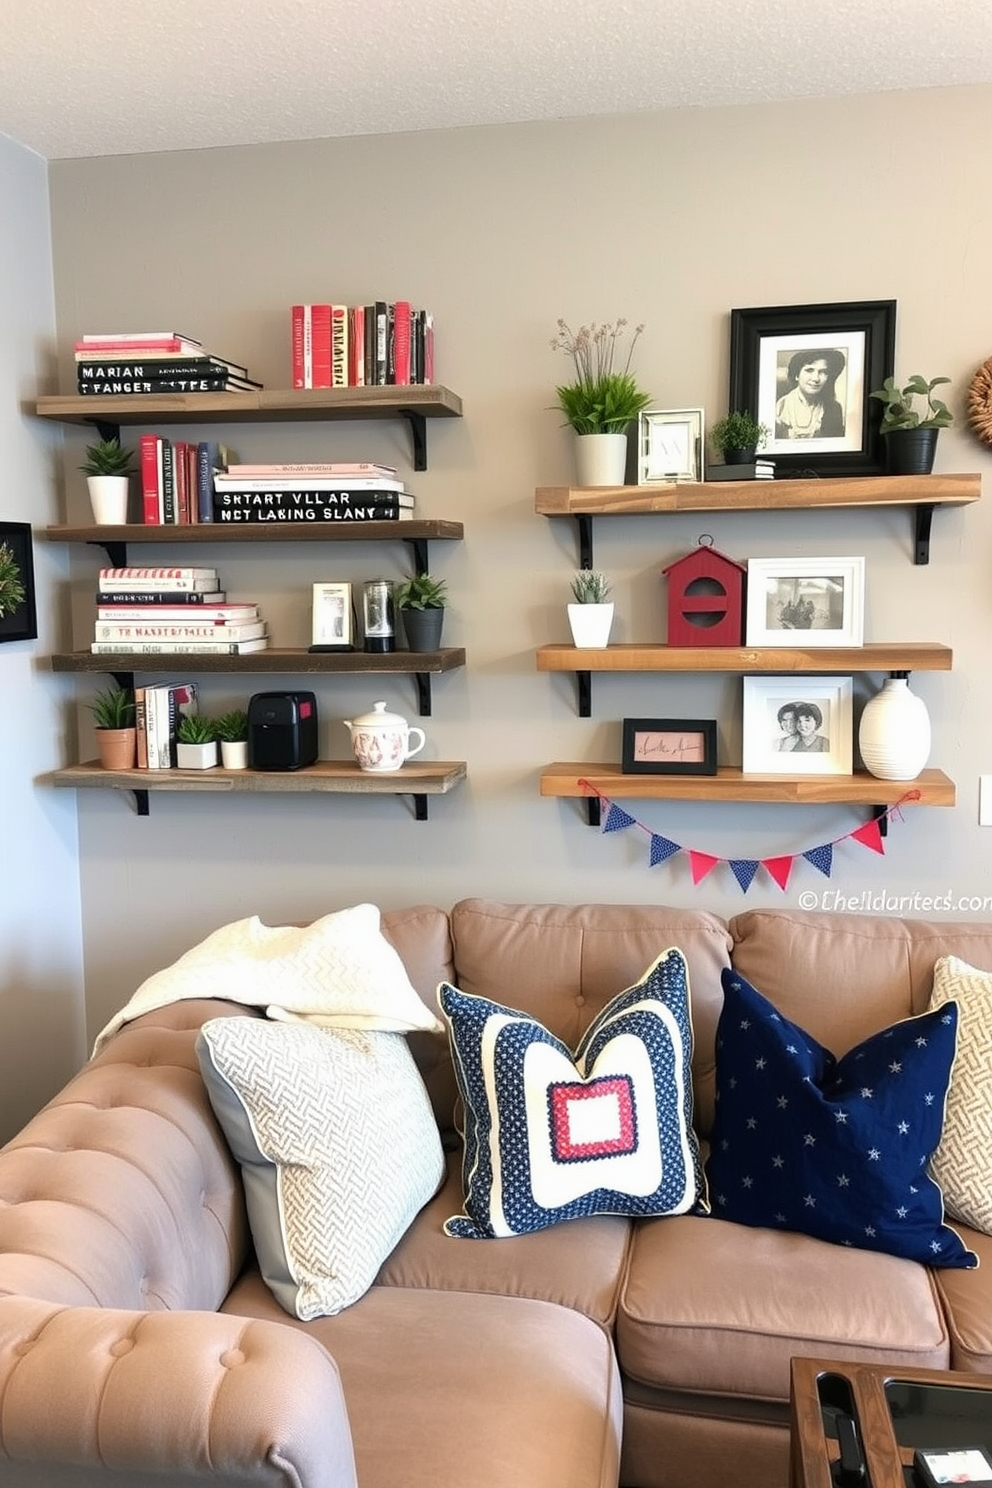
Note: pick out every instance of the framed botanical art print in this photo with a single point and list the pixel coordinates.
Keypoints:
(805, 602)
(806, 372)
(18, 617)
(798, 725)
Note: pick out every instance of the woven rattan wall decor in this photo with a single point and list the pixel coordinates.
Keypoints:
(980, 402)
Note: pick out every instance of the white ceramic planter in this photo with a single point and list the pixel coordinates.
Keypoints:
(234, 754)
(196, 756)
(108, 498)
(894, 734)
(591, 624)
(600, 459)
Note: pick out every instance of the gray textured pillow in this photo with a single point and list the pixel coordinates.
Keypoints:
(338, 1147)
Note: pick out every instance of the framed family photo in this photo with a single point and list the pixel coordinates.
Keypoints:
(669, 746)
(806, 372)
(798, 725)
(18, 615)
(805, 602)
(669, 445)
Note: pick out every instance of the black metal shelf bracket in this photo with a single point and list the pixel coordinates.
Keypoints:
(585, 539)
(140, 802)
(116, 551)
(924, 519)
(583, 683)
(423, 680)
(419, 546)
(420, 807)
(593, 812)
(107, 430)
(418, 436)
(881, 815)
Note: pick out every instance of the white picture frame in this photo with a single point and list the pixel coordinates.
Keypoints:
(822, 718)
(805, 602)
(669, 446)
(333, 618)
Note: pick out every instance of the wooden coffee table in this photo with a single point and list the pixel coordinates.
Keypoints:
(896, 1410)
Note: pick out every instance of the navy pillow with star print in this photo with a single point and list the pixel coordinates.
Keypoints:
(552, 1135)
(834, 1148)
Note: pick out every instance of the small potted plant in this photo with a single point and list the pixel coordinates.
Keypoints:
(603, 400)
(910, 432)
(116, 735)
(738, 437)
(591, 616)
(196, 742)
(107, 468)
(422, 601)
(231, 732)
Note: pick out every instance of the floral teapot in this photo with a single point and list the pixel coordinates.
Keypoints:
(381, 740)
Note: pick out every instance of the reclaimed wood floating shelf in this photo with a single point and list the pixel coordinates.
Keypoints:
(572, 779)
(108, 413)
(417, 778)
(921, 492)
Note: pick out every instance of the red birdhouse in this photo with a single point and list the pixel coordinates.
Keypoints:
(705, 599)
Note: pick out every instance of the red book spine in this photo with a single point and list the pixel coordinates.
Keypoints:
(320, 340)
(151, 509)
(339, 346)
(300, 337)
(401, 343)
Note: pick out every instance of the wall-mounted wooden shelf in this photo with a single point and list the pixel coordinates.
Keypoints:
(921, 492)
(415, 404)
(884, 656)
(417, 778)
(573, 779)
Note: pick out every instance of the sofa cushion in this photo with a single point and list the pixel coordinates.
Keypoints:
(967, 1301)
(715, 1309)
(835, 1148)
(962, 1164)
(550, 1136)
(337, 1144)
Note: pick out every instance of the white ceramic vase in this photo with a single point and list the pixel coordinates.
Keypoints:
(600, 459)
(894, 733)
(108, 498)
(234, 754)
(591, 624)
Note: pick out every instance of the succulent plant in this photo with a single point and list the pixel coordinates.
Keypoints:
(113, 709)
(108, 457)
(590, 586)
(193, 728)
(231, 727)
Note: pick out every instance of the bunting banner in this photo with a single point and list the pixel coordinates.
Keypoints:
(745, 870)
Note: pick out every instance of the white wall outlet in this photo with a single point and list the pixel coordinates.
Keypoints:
(985, 800)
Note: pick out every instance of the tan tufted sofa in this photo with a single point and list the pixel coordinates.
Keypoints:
(139, 1347)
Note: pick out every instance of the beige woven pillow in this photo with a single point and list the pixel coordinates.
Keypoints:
(962, 1164)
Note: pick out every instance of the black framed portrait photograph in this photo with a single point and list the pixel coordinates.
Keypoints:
(18, 617)
(806, 372)
(669, 746)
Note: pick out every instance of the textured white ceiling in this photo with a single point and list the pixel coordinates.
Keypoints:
(105, 77)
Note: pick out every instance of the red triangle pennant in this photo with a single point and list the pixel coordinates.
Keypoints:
(701, 864)
(780, 869)
(870, 835)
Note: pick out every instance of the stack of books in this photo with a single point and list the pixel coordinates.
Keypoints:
(172, 611)
(334, 491)
(377, 345)
(177, 479)
(147, 362)
(157, 711)
(760, 469)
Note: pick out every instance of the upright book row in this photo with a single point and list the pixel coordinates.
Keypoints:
(378, 345)
(177, 479)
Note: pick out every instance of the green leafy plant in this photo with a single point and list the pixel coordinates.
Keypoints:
(604, 398)
(899, 412)
(422, 592)
(12, 591)
(193, 728)
(738, 431)
(590, 586)
(231, 727)
(108, 457)
(114, 708)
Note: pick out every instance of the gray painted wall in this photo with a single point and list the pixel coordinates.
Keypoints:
(41, 998)
(667, 218)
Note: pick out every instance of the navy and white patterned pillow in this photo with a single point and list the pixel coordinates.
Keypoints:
(551, 1135)
(834, 1148)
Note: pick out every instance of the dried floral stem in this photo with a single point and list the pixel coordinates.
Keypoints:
(593, 348)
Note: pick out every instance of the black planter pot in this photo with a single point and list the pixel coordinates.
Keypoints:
(423, 628)
(910, 451)
(740, 454)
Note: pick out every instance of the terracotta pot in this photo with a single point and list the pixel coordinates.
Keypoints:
(116, 748)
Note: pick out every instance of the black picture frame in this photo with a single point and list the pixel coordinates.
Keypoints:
(21, 624)
(656, 746)
(764, 345)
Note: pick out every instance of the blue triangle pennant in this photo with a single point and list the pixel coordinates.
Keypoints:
(662, 848)
(744, 870)
(616, 819)
(821, 857)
